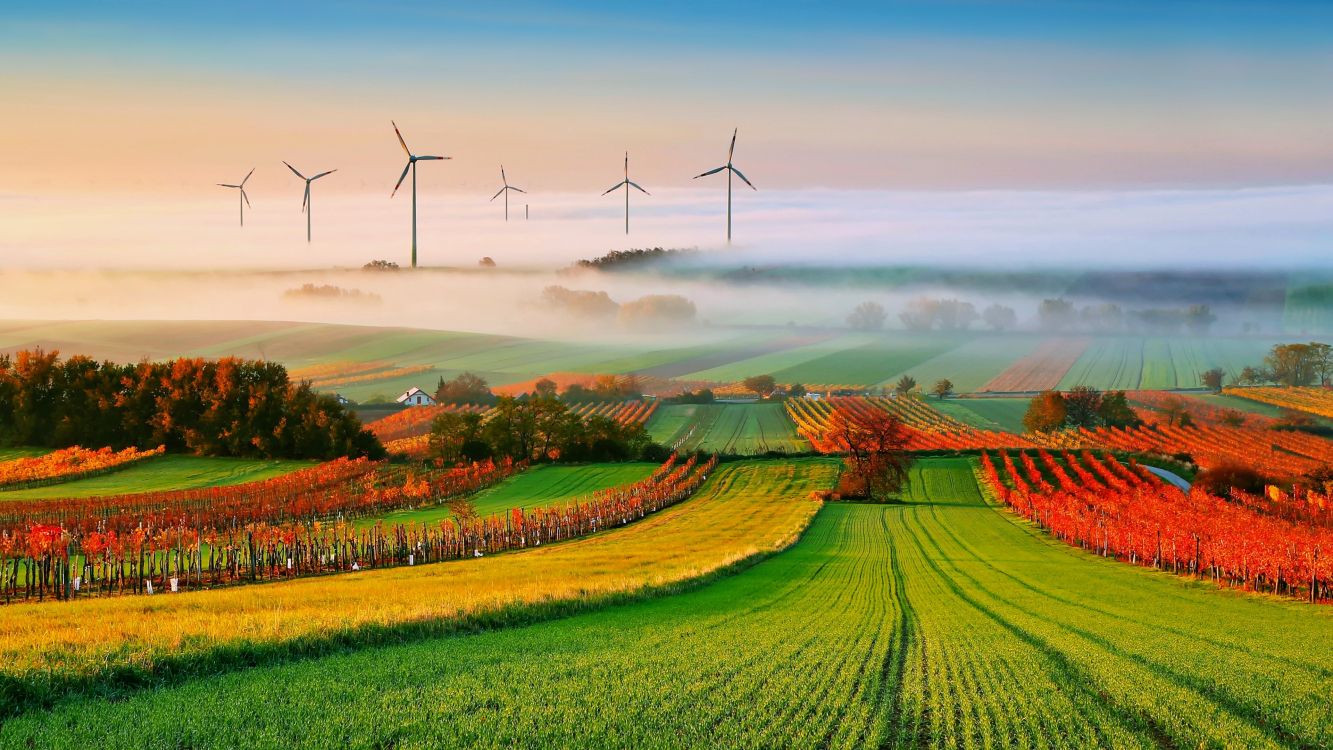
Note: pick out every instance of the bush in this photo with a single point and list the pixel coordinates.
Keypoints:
(1221, 479)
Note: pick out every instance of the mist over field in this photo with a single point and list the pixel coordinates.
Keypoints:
(1276, 227)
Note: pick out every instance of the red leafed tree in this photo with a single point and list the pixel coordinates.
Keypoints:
(876, 445)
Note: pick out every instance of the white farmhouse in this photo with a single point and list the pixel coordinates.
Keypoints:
(416, 397)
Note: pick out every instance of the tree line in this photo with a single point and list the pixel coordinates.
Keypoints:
(223, 407)
(1054, 314)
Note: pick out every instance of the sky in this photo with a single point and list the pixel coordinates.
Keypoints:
(120, 119)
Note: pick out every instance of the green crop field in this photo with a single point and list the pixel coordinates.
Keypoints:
(9, 454)
(726, 428)
(540, 485)
(163, 473)
(1132, 363)
(986, 413)
(883, 358)
(971, 365)
(937, 622)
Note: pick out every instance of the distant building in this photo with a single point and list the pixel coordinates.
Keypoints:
(342, 399)
(416, 397)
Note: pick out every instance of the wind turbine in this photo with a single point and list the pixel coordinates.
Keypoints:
(730, 171)
(627, 185)
(412, 160)
(245, 200)
(506, 190)
(306, 205)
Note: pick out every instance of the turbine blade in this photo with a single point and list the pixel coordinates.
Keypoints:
(223, 184)
(245, 197)
(321, 174)
(711, 171)
(641, 190)
(252, 171)
(401, 177)
(298, 174)
(430, 158)
(497, 194)
(306, 198)
(732, 150)
(401, 142)
(511, 187)
(747, 182)
(615, 186)
(503, 179)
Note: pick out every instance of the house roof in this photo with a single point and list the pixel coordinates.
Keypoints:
(410, 392)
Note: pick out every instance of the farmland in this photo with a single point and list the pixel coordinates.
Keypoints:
(744, 509)
(726, 428)
(939, 622)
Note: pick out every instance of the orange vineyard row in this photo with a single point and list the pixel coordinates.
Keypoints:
(68, 463)
(414, 421)
(1315, 400)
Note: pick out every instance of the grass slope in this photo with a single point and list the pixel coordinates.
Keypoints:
(940, 622)
(542, 485)
(987, 413)
(746, 429)
(164, 473)
(882, 359)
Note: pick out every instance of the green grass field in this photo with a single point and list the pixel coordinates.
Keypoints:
(938, 622)
(1151, 363)
(9, 454)
(882, 358)
(746, 429)
(163, 473)
(541, 485)
(987, 413)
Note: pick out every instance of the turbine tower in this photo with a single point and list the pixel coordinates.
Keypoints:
(505, 190)
(627, 185)
(306, 206)
(412, 160)
(245, 200)
(730, 171)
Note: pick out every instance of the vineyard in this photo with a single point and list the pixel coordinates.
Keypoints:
(67, 464)
(1123, 512)
(331, 375)
(936, 622)
(1315, 400)
(1277, 453)
(929, 429)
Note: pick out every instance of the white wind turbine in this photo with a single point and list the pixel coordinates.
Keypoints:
(730, 171)
(627, 184)
(505, 190)
(245, 200)
(306, 205)
(412, 160)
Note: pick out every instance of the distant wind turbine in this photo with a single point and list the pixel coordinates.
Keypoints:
(245, 200)
(505, 190)
(306, 205)
(627, 185)
(412, 160)
(730, 171)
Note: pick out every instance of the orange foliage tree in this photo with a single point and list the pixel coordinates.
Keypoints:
(876, 445)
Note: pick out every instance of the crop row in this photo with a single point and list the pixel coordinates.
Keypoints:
(67, 464)
(50, 561)
(1129, 515)
(622, 412)
(415, 420)
(1041, 370)
(1155, 402)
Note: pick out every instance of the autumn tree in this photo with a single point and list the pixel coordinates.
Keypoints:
(456, 436)
(1082, 407)
(760, 384)
(466, 388)
(876, 443)
(867, 316)
(797, 390)
(1212, 379)
(1115, 411)
(942, 389)
(1046, 412)
(905, 385)
(1175, 411)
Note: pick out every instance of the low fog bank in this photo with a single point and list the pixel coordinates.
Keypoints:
(670, 307)
(1267, 227)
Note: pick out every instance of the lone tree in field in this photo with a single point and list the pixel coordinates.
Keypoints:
(905, 385)
(868, 316)
(942, 389)
(876, 445)
(764, 385)
(1212, 379)
(1046, 412)
(797, 390)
